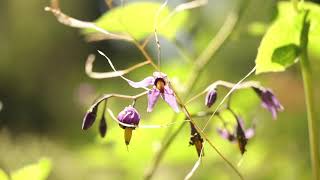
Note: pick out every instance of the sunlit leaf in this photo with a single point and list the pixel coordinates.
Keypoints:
(137, 19)
(3, 175)
(286, 31)
(37, 171)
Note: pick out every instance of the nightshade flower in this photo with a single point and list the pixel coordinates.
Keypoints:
(160, 87)
(269, 101)
(240, 134)
(211, 97)
(129, 116)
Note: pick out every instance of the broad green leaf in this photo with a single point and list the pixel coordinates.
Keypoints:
(137, 19)
(37, 171)
(285, 55)
(285, 32)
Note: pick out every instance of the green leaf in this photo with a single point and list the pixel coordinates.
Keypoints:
(283, 36)
(137, 19)
(286, 55)
(37, 171)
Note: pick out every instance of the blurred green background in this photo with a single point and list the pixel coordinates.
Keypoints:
(45, 93)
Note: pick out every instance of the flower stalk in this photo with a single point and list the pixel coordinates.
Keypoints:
(309, 97)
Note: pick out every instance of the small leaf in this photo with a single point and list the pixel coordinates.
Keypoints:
(286, 55)
(137, 19)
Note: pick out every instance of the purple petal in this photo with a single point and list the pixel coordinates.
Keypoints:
(249, 133)
(225, 134)
(148, 81)
(129, 116)
(153, 96)
(169, 97)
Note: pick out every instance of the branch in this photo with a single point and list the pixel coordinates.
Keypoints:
(72, 22)
(104, 75)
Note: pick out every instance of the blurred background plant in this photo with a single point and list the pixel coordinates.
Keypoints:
(45, 93)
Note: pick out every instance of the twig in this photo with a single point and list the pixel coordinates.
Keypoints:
(104, 75)
(72, 22)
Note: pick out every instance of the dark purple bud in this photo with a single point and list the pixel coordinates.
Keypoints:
(241, 136)
(103, 127)
(211, 97)
(89, 118)
(129, 116)
(269, 101)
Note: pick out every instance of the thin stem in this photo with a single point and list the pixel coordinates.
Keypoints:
(309, 98)
(211, 144)
(215, 44)
(105, 75)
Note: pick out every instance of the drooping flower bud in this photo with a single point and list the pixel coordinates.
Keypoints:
(269, 101)
(103, 127)
(241, 137)
(129, 116)
(196, 140)
(89, 118)
(211, 97)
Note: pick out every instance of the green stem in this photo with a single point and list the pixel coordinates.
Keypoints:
(312, 122)
(309, 97)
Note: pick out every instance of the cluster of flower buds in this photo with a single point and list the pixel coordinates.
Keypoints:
(91, 116)
(129, 118)
(239, 134)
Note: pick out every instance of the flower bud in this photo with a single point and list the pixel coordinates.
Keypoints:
(103, 127)
(196, 140)
(128, 116)
(211, 97)
(89, 118)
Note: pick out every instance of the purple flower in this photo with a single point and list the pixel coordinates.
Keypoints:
(160, 87)
(239, 134)
(211, 97)
(269, 101)
(129, 116)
